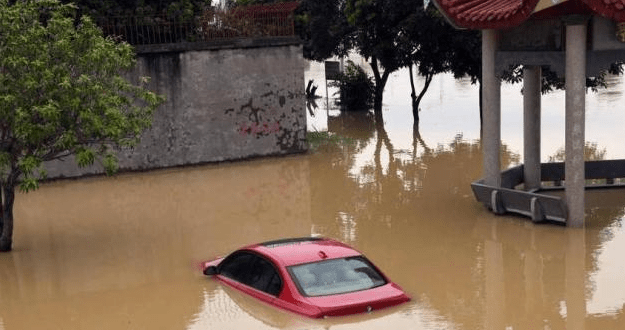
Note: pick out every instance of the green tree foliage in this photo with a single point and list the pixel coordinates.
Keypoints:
(390, 34)
(377, 26)
(551, 81)
(324, 29)
(61, 94)
(433, 46)
(370, 27)
(355, 88)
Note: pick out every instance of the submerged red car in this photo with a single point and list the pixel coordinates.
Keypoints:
(311, 276)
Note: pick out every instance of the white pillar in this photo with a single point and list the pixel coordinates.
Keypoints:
(491, 110)
(575, 84)
(531, 126)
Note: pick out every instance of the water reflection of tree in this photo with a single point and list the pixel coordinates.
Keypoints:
(591, 152)
(416, 210)
(428, 176)
(311, 105)
(357, 125)
(332, 165)
(414, 199)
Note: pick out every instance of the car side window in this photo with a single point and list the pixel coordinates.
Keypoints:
(253, 271)
(237, 266)
(265, 277)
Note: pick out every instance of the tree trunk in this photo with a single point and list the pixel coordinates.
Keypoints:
(1, 207)
(6, 239)
(376, 157)
(377, 117)
(416, 140)
(380, 82)
(413, 97)
(384, 139)
(417, 102)
(377, 99)
(8, 197)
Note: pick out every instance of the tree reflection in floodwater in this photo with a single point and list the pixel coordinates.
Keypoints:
(123, 252)
(591, 152)
(479, 271)
(390, 190)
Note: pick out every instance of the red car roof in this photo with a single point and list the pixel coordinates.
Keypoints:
(303, 250)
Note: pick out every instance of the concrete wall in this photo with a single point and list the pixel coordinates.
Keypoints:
(223, 103)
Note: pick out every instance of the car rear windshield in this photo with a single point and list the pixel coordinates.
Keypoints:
(335, 276)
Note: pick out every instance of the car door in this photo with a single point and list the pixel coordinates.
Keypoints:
(254, 275)
(233, 269)
(265, 277)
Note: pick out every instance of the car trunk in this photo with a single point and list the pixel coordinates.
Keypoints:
(360, 301)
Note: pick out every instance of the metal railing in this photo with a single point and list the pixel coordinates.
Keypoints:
(149, 30)
(243, 22)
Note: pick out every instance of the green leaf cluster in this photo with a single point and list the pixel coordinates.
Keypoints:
(390, 34)
(355, 88)
(324, 29)
(63, 91)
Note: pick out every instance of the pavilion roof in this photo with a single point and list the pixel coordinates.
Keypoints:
(501, 14)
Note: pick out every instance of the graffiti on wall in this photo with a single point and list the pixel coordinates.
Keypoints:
(268, 115)
(262, 129)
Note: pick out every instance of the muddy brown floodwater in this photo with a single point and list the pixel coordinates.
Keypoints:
(123, 252)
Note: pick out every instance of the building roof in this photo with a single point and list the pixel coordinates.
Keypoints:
(501, 14)
(612, 9)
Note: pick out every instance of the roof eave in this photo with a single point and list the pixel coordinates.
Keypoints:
(605, 10)
(516, 19)
(447, 17)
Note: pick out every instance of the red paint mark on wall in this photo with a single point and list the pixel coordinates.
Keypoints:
(264, 128)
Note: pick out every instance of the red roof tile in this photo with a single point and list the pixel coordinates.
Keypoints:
(612, 9)
(487, 14)
(500, 14)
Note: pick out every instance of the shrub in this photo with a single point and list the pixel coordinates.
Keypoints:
(355, 88)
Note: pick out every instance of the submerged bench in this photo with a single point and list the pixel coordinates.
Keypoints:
(509, 198)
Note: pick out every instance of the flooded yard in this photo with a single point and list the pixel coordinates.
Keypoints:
(124, 252)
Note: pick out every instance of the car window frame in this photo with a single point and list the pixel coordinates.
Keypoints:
(295, 280)
(227, 259)
(257, 257)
